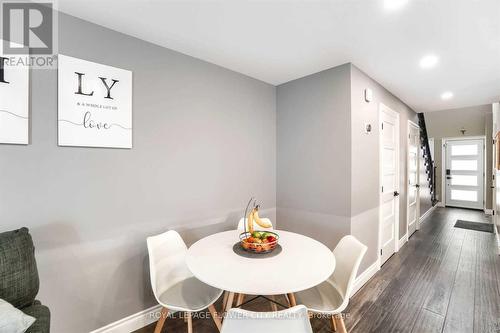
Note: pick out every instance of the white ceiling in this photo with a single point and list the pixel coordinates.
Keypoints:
(278, 40)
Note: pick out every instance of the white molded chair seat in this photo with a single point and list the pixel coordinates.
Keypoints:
(332, 296)
(256, 227)
(293, 320)
(323, 298)
(189, 295)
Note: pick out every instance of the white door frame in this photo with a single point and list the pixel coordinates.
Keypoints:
(443, 164)
(417, 226)
(384, 108)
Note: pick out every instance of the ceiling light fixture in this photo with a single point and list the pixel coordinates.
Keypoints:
(446, 95)
(394, 4)
(429, 61)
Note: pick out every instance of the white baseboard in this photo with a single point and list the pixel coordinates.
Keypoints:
(440, 204)
(427, 213)
(365, 276)
(402, 241)
(132, 322)
(488, 211)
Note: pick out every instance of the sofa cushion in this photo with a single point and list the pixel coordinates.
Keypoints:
(13, 320)
(42, 315)
(18, 272)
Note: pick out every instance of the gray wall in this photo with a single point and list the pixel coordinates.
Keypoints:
(313, 177)
(328, 171)
(204, 142)
(447, 123)
(365, 160)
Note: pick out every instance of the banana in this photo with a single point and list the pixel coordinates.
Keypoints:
(259, 221)
(250, 221)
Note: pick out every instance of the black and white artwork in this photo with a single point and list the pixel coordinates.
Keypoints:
(94, 104)
(14, 101)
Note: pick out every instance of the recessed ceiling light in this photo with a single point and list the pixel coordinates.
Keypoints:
(446, 95)
(394, 4)
(429, 61)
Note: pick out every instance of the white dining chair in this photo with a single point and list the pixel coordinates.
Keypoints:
(256, 227)
(294, 320)
(174, 286)
(332, 296)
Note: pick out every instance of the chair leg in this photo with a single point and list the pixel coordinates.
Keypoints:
(334, 324)
(189, 322)
(291, 299)
(274, 307)
(340, 321)
(215, 317)
(161, 321)
(240, 299)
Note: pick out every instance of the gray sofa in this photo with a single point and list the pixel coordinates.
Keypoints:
(19, 277)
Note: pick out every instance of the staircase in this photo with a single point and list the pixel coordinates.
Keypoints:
(430, 169)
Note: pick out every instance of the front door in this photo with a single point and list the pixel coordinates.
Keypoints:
(464, 173)
(413, 177)
(389, 175)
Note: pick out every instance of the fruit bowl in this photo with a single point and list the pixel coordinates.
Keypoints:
(259, 241)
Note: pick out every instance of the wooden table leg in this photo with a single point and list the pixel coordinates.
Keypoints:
(291, 299)
(274, 307)
(224, 300)
(229, 303)
(240, 299)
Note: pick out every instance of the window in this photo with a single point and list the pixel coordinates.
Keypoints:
(464, 195)
(464, 165)
(464, 150)
(462, 180)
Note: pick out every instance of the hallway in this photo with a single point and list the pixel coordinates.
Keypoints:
(444, 279)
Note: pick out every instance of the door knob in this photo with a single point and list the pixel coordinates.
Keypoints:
(396, 193)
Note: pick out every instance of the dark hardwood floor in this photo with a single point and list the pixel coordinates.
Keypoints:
(444, 279)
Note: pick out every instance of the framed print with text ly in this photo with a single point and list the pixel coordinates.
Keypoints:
(94, 104)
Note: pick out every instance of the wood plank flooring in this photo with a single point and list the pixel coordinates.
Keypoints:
(444, 279)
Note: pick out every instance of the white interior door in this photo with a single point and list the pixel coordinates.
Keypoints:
(465, 173)
(413, 190)
(389, 176)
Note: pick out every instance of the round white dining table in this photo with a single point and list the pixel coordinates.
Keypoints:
(302, 263)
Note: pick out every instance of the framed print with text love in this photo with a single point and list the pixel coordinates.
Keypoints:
(94, 104)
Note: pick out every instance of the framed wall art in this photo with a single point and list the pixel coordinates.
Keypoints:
(94, 104)
(14, 100)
